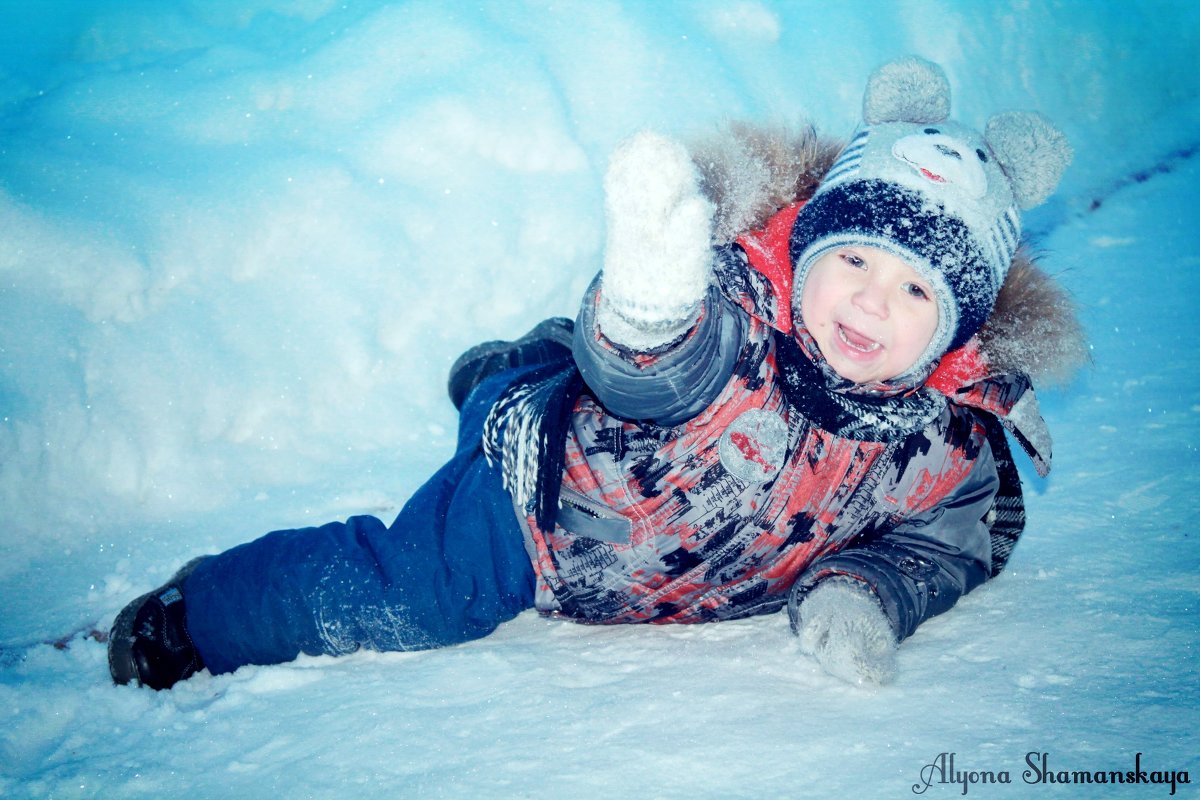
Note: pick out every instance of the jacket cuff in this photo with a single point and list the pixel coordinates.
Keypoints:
(910, 587)
(645, 386)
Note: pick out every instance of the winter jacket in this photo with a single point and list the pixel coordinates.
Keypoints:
(705, 480)
(696, 487)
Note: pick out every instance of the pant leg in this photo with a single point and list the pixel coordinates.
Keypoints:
(450, 568)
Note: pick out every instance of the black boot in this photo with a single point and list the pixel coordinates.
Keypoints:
(149, 642)
(550, 340)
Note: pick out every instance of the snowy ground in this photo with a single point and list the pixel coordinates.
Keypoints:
(232, 236)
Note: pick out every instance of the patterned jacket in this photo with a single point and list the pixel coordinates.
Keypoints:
(703, 481)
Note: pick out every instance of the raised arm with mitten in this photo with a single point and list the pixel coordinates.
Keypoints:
(656, 340)
(658, 259)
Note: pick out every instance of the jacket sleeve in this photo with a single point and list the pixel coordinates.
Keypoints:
(921, 567)
(670, 384)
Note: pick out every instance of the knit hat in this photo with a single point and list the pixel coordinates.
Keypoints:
(934, 193)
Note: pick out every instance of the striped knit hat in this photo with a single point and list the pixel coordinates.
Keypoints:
(936, 194)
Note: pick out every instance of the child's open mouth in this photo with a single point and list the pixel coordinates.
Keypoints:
(856, 341)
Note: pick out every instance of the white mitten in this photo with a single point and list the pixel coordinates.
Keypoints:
(844, 627)
(657, 259)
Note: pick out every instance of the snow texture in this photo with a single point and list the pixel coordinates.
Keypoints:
(241, 242)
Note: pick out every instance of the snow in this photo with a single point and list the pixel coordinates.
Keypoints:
(240, 244)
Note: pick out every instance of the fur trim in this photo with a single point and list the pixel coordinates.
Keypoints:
(1034, 327)
(750, 172)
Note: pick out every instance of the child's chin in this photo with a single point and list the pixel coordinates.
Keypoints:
(855, 372)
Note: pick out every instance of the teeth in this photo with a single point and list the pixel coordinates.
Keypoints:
(870, 348)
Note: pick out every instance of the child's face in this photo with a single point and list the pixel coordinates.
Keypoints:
(871, 314)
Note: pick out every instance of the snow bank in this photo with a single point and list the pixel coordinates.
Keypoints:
(240, 244)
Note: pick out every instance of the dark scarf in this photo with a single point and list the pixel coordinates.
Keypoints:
(874, 413)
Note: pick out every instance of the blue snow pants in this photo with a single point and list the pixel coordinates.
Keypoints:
(449, 569)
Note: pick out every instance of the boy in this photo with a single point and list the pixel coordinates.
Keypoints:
(722, 432)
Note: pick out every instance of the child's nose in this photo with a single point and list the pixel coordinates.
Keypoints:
(872, 299)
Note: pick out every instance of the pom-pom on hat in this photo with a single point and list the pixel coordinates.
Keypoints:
(938, 195)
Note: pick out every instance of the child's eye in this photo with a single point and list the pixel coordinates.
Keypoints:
(916, 291)
(853, 260)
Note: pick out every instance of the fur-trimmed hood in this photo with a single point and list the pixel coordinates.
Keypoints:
(750, 173)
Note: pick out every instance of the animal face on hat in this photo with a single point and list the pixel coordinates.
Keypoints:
(941, 158)
(937, 194)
